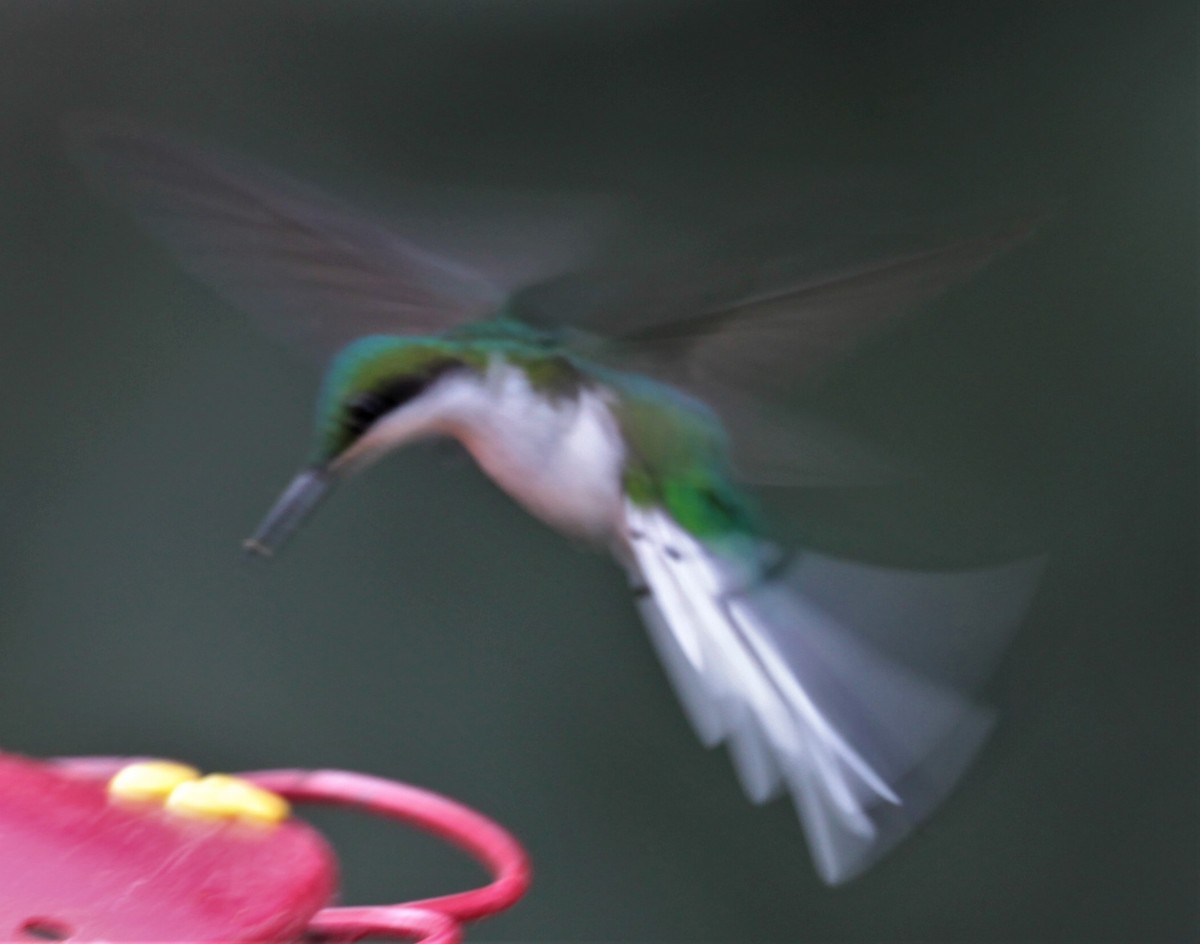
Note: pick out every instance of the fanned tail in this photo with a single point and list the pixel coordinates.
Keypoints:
(778, 669)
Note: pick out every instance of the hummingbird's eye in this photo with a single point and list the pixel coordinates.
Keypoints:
(361, 411)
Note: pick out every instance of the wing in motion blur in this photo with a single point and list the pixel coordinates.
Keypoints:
(314, 272)
(740, 334)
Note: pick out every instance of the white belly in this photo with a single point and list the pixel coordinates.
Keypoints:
(560, 458)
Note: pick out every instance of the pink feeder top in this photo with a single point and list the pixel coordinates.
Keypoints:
(78, 863)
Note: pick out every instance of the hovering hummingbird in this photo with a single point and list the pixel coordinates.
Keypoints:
(631, 435)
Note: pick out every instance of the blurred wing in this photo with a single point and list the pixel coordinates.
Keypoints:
(313, 272)
(744, 340)
(772, 339)
(779, 670)
(773, 446)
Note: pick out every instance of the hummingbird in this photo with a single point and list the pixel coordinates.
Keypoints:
(641, 433)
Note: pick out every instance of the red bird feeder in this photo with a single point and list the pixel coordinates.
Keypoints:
(113, 849)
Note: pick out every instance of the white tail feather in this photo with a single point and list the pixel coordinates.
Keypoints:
(865, 746)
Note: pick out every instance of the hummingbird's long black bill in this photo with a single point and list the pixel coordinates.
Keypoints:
(289, 512)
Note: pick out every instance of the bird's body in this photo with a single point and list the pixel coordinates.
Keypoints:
(768, 652)
(569, 439)
(643, 469)
(561, 457)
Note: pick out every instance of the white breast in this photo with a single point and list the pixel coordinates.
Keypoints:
(559, 457)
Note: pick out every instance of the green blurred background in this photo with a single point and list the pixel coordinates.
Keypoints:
(424, 628)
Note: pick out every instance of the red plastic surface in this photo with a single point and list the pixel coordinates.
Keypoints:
(112, 870)
(74, 863)
(432, 920)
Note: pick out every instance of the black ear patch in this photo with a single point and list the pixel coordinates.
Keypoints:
(363, 409)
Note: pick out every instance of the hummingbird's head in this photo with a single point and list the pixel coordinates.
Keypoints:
(379, 392)
(376, 396)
